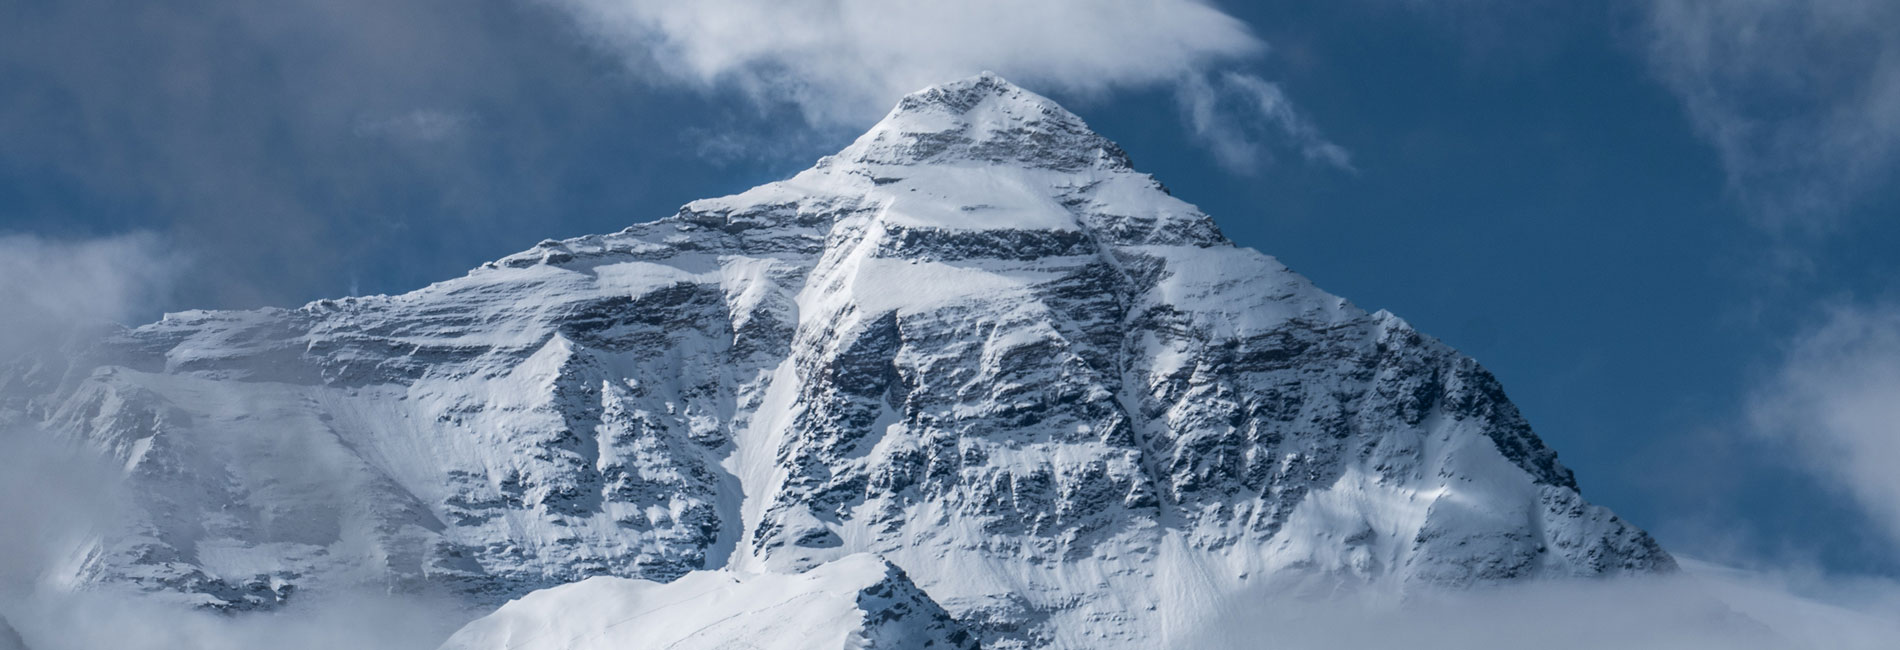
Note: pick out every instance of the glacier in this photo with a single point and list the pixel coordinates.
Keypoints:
(976, 345)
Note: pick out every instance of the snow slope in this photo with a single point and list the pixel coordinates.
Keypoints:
(976, 343)
(856, 603)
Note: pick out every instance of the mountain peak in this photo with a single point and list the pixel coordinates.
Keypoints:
(984, 120)
(963, 95)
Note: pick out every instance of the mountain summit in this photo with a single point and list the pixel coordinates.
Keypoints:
(975, 344)
(982, 120)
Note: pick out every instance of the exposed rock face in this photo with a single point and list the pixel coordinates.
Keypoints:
(976, 342)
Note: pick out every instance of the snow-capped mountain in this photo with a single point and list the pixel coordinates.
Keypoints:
(976, 343)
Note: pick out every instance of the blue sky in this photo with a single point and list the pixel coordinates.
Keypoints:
(1668, 226)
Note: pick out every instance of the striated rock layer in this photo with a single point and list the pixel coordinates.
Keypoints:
(976, 343)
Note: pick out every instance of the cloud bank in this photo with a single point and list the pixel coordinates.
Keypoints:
(844, 62)
(1709, 607)
(103, 621)
(1799, 98)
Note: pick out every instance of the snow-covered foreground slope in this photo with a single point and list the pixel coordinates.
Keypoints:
(976, 343)
(855, 603)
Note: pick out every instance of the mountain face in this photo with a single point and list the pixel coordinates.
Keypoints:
(976, 343)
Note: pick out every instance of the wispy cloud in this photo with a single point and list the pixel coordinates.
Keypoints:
(419, 125)
(50, 286)
(1234, 115)
(846, 61)
(1835, 400)
(1800, 98)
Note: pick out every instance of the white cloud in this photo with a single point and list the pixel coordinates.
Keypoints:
(844, 62)
(48, 290)
(49, 286)
(1232, 112)
(1836, 401)
(1800, 98)
(112, 621)
(57, 497)
(1709, 607)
